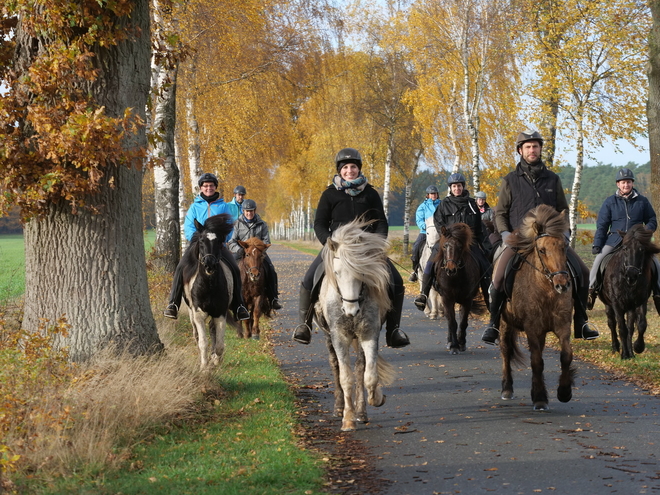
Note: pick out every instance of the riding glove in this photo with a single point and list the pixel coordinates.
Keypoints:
(595, 250)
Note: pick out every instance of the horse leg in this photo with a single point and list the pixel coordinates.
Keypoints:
(507, 350)
(217, 332)
(255, 314)
(347, 380)
(567, 376)
(360, 398)
(641, 329)
(625, 321)
(199, 325)
(371, 380)
(539, 392)
(452, 325)
(611, 323)
(462, 334)
(334, 366)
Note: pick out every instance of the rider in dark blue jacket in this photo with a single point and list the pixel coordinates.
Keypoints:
(620, 211)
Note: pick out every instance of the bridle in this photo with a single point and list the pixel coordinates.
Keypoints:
(360, 297)
(546, 272)
(460, 264)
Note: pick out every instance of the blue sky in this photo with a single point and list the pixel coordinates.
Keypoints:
(608, 155)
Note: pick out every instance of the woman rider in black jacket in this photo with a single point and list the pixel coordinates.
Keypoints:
(348, 197)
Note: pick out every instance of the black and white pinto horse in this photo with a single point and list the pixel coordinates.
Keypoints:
(208, 286)
(351, 310)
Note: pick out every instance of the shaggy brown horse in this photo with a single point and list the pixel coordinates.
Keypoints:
(456, 280)
(541, 302)
(254, 286)
(626, 289)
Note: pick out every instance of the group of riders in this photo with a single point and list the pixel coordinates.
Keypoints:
(350, 196)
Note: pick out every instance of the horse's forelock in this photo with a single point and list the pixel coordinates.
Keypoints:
(543, 219)
(459, 231)
(221, 225)
(639, 233)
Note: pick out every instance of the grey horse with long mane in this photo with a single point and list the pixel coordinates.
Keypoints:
(351, 310)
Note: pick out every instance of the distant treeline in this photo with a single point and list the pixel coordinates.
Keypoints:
(598, 182)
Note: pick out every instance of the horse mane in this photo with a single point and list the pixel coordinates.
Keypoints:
(640, 234)
(221, 225)
(364, 254)
(256, 242)
(459, 231)
(542, 220)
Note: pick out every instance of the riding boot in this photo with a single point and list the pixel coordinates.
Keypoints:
(581, 326)
(237, 303)
(427, 283)
(394, 336)
(497, 300)
(303, 332)
(176, 294)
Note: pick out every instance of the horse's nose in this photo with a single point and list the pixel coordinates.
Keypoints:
(561, 283)
(350, 308)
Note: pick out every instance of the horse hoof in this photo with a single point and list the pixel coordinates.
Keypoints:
(362, 418)
(507, 395)
(541, 406)
(462, 348)
(564, 398)
(433, 317)
(349, 426)
(255, 337)
(453, 351)
(639, 347)
(338, 413)
(448, 345)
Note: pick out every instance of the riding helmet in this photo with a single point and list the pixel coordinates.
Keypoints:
(432, 190)
(249, 204)
(625, 174)
(526, 136)
(207, 177)
(240, 190)
(348, 155)
(455, 179)
(480, 194)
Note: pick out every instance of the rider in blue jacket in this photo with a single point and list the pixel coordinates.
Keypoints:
(207, 204)
(621, 211)
(425, 210)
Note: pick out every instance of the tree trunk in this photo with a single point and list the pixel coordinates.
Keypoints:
(577, 181)
(388, 176)
(194, 146)
(653, 104)
(166, 177)
(91, 268)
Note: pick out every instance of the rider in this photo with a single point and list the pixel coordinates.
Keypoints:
(248, 225)
(529, 185)
(237, 203)
(425, 210)
(346, 199)
(457, 207)
(208, 203)
(484, 207)
(621, 211)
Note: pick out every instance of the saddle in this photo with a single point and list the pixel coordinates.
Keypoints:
(510, 270)
(603, 265)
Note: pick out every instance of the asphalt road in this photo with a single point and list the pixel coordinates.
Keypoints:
(445, 430)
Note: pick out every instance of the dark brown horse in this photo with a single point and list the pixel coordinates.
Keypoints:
(456, 280)
(254, 286)
(541, 302)
(626, 289)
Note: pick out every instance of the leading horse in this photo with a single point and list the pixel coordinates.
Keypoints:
(253, 278)
(351, 310)
(457, 281)
(208, 285)
(626, 289)
(541, 302)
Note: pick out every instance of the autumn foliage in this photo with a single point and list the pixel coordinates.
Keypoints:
(56, 142)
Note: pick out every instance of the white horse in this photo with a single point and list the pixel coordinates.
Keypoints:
(351, 310)
(434, 302)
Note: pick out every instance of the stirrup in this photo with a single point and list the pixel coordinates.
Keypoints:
(587, 333)
(491, 335)
(397, 338)
(302, 334)
(420, 302)
(242, 313)
(172, 311)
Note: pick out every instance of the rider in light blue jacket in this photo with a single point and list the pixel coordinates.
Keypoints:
(425, 210)
(201, 209)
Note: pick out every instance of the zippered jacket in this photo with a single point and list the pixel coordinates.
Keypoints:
(621, 213)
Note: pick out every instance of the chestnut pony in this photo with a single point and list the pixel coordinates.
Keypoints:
(253, 275)
(541, 302)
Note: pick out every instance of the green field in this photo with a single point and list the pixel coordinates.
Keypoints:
(12, 266)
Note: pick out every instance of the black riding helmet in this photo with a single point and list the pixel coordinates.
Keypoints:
(526, 136)
(207, 177)
(456, 179)
(249, 204)
(348, 155)
(625, 174)
(432, 190)
(240, 190)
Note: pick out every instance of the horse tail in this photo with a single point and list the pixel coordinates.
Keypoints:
(386, 372)
(511, 347)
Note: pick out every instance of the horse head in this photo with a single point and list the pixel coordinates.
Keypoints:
(254, 256)
(210, 238)
(455, 242)
(349, 286)
(542, 232)
(637, 246)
